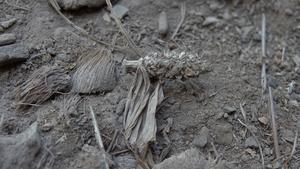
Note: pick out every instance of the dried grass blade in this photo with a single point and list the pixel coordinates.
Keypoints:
(98, 137)
(274, 127)
(149, 128)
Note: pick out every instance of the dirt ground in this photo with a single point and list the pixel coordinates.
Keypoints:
(231, 45)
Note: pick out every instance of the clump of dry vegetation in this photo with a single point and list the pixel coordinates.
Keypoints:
(96, 72)
(171, 64)
(41, 85)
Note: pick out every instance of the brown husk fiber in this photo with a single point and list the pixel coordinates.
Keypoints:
(41, 85)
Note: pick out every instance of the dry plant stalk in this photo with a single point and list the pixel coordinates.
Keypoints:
(122, 29)
(96, 72)
(258, 143)
(57, 8)
(274, 128)
(139, 114)
(263, 54)
(182, 16)
(170, 65)
(41, 85)
(1, 121)
(98, 137)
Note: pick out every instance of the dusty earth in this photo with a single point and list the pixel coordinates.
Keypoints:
(231, 45)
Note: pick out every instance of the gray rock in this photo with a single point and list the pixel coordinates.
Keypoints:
(224, 135)
(106, 17)
(125, 161)
(246, 31)
(163, 24)
(201, 139)
(119, 11)
(13, 53)
(289, 12)
(7, 38)
(251, 143)
(229, 110)
(89, 158)
(19, 151)
(190, 159)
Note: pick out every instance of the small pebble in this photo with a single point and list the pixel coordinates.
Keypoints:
(47, 127)
(294, 103)
(106, 17)
(224, 133)
(119, 11)
(210, 20)
(229, 110)
(288, 12)
(251, 142)
(201, 139)
(263, 120)
(7, 38)
(163, 24)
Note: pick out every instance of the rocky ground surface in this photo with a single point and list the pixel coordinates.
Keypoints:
(202, 113)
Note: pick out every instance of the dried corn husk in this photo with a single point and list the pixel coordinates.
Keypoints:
(139, 120)
(171, 64)
(96, 73)
(41, 85)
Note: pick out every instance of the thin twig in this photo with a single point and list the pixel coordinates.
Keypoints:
(283, 54)
(274, 128)
(263, 54)
(182, 11)
(294, 145)
(120, 152)
(258, 143)
(56, 7)
(263, 36)
(215, 150)
(243, 112)
(112, 143)
(287, 162)
(1, 121)
(122, 29)
(98, 137)
(263, 78)
(29, 104)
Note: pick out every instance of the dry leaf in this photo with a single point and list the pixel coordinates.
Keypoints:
(139, 121)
